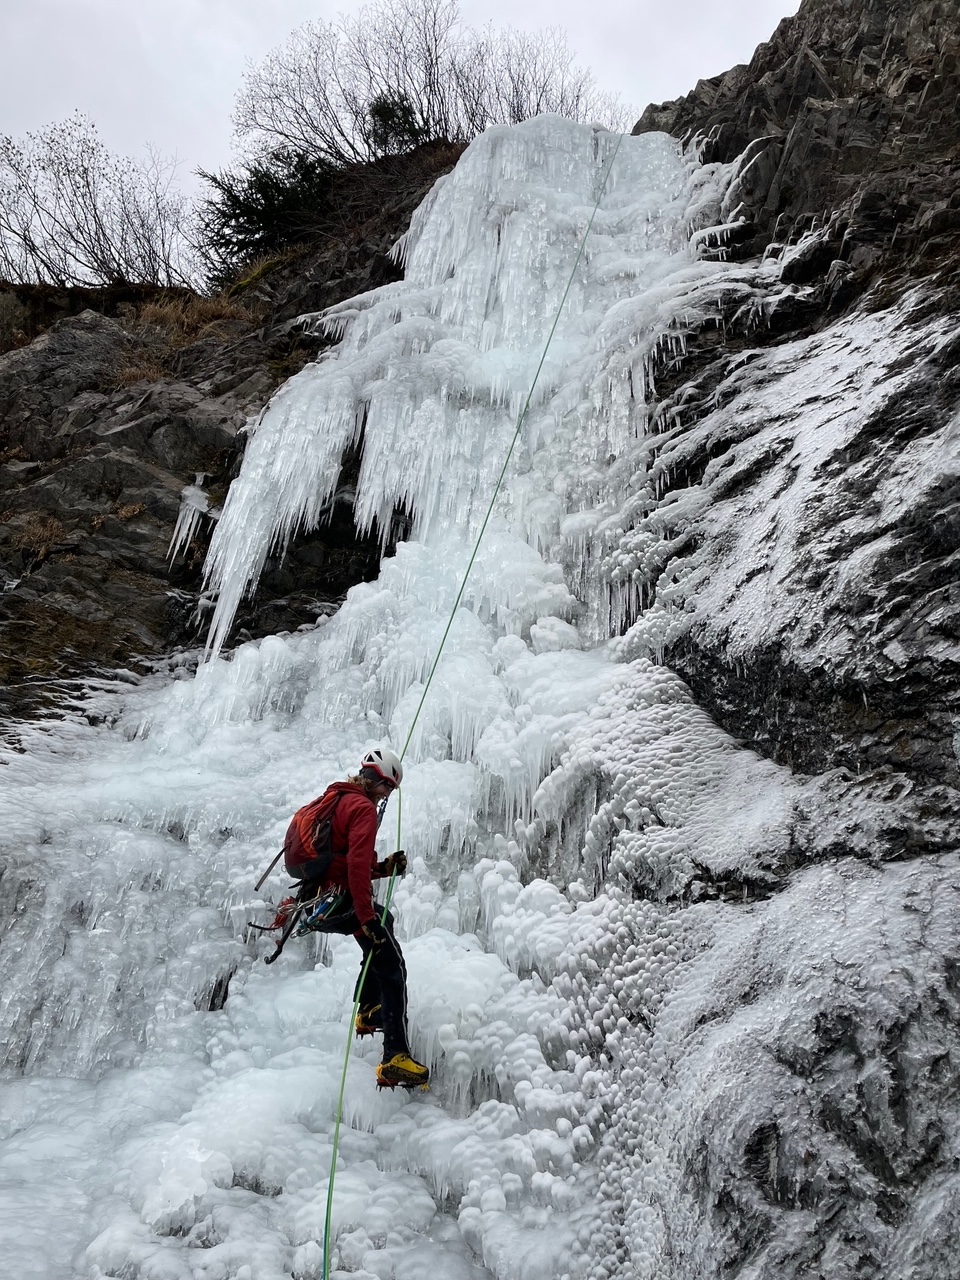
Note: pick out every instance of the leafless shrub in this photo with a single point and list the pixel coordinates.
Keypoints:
(508, 76)
(400, 72)
(73, 213)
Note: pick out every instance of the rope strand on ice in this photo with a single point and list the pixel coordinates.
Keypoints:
(429, 681)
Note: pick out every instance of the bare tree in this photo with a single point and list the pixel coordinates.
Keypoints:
(73, 213)
(327, 91)
(508, 76)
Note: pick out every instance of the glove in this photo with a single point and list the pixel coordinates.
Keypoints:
(375, 931)
(396, 863)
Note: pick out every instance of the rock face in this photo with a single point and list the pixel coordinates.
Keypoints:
(834, 457)
(805, 507)
(91, 489)
(851, 183)
(846, 120)
(120, 403)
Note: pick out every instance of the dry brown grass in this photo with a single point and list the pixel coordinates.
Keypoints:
(39, 534)
(163, 327)
(184, 320)
(256, 269)
(145, 371)
(128, 511)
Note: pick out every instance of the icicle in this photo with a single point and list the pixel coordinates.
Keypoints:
(194, 504)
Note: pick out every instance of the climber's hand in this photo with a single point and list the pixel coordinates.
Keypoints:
(375, 931)
(396, 864)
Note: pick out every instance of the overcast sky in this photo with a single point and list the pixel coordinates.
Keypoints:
(166, 71)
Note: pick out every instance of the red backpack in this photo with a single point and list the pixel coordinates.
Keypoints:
(308, 844)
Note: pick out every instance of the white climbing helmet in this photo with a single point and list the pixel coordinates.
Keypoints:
(385, 764)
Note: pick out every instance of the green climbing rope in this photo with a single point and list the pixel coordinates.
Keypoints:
(429, 681)
(346, 1063)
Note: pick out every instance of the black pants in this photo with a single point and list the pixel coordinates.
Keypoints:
(384, 983)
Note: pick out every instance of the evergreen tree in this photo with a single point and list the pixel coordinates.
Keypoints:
(263, 207)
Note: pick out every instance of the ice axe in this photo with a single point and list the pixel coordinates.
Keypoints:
(259, 885)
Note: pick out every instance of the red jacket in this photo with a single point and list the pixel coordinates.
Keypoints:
(353, 836)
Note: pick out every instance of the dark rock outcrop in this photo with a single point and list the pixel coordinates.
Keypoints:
(847, 121)
(126, 396)
(90, 488)
(813, 459)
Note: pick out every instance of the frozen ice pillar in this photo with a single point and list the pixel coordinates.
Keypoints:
(432, 371)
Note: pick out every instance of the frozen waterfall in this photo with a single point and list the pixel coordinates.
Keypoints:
(168, 1101)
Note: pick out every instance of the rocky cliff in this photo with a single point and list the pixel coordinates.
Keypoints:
(846, 124)
(849, 187)
(114, 401)
(810, 452)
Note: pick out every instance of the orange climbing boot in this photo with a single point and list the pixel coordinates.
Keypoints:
(402, 1070)
(369, 1020)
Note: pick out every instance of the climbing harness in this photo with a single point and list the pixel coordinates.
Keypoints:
(323, 912)
(426, 689)
(289, 919)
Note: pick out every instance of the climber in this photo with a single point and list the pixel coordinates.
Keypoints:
(330, 846)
